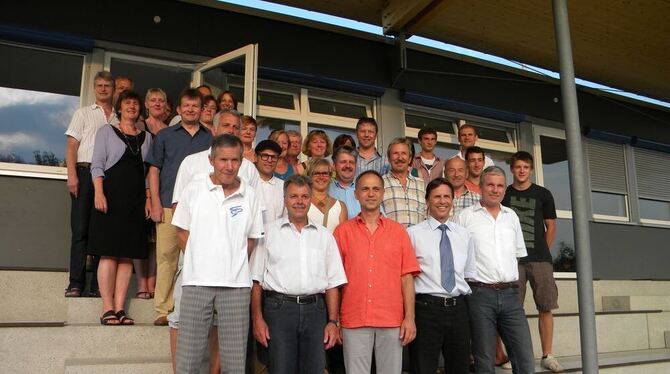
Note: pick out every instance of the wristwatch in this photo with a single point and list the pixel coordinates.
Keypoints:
(334, 322)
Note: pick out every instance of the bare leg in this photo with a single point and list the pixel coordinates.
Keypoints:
(124, 271)
(173, 348)
(214, 360)
(107, 282)
(141, 275)
(546, 327)
(501, 358)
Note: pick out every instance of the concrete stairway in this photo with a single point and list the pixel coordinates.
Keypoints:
(43, 332)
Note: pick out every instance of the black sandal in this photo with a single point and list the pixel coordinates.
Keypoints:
(124, 319)
(109, 319)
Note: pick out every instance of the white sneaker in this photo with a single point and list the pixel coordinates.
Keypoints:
(551, 363)
(506, 365)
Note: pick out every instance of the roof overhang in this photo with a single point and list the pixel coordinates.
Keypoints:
(619, 43)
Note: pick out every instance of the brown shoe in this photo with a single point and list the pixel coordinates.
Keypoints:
(161, 321)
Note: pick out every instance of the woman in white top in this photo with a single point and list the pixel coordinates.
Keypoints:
(324, 209)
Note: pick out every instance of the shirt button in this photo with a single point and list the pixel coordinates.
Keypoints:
(370, 270)
(369, 301)
(369, 285)
(372, 256)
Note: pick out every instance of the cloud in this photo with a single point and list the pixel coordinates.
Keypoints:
(11, 141)
(61, 118)
(10, 97)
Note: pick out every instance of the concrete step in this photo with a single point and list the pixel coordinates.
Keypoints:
(33, 296)
(84, 310)
(647, 361)
(45, 349)
(635, 302)
(129, 365)
(616, 332)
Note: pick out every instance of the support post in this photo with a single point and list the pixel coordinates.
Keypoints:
(578, 188)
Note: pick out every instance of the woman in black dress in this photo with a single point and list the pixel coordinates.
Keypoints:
(117, 230)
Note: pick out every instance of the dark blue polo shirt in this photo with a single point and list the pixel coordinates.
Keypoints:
(169, 149)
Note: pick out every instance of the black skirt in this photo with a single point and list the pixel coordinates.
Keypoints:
(122, 231)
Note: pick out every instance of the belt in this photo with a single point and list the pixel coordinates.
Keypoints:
(84, 164)
(495, 286)
(298, 299)
(439, 300)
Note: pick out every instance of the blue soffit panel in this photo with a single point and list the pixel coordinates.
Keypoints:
(459, 106)
(45, 38)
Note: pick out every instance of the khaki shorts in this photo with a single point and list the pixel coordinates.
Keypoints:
(541, 278)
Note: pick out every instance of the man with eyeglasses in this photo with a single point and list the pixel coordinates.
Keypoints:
(270, 187)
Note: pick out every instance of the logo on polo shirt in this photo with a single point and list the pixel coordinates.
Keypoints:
(235, 210)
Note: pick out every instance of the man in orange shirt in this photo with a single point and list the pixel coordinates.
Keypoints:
(377, 309)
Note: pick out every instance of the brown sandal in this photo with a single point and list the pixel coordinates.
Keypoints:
(144, 295)
(72, 292)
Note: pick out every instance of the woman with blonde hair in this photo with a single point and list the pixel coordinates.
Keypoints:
(324, 209)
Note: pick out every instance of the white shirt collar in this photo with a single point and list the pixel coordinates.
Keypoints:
(211, 186)
(434, 224)
(284, 221)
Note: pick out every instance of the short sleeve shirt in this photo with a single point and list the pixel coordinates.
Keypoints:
(296, 262)
(169, 149)
(83, 127)
(219, 226)
(374, 264)
(533, 205)
(406, 205)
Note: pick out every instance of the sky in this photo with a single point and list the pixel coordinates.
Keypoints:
(351, 24)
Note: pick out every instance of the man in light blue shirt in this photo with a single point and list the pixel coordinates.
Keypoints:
(342, 187)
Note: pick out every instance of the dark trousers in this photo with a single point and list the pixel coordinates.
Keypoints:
(500, 311)
(80, 214)
(296, 335)
(440, 329)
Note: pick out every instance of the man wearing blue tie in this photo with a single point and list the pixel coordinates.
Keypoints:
(445, 253)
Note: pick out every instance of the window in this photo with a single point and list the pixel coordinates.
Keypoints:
(609, 190)
(563, 248)
(653, 185)
(551, 167)
(498, 140)
(37, 100)
(335, 108)
(170, 76)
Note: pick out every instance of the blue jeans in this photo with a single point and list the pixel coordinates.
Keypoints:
(499, 310)
(296, 335)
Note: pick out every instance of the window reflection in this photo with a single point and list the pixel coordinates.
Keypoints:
(266, 125)
(563, 247)
(608, 204)
(555, 170)
(655, 209)
(32, 126)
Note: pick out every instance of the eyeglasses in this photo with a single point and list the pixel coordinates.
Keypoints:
(321, 174)
(266, 157)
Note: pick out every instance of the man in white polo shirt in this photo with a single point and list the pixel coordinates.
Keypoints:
(446, 255)
(298, 269)
(218, 219)
(494, 303)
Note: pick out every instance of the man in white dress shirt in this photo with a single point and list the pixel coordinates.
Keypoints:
(270, 187)
(494, 303)
(197, 165)
(296, 270)
(445, 253)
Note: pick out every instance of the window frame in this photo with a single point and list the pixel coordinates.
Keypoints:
(628, 173)
(43, 171)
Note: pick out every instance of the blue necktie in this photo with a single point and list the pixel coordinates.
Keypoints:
(446, 261)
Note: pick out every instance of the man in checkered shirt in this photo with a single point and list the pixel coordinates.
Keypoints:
(404, 195)
(456, 172)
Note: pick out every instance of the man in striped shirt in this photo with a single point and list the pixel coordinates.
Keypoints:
(404, 195)
(456, 172)
(78, 153)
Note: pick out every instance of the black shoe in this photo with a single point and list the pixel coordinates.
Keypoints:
(93, 293)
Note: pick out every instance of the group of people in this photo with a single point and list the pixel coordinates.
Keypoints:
(376, 252)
